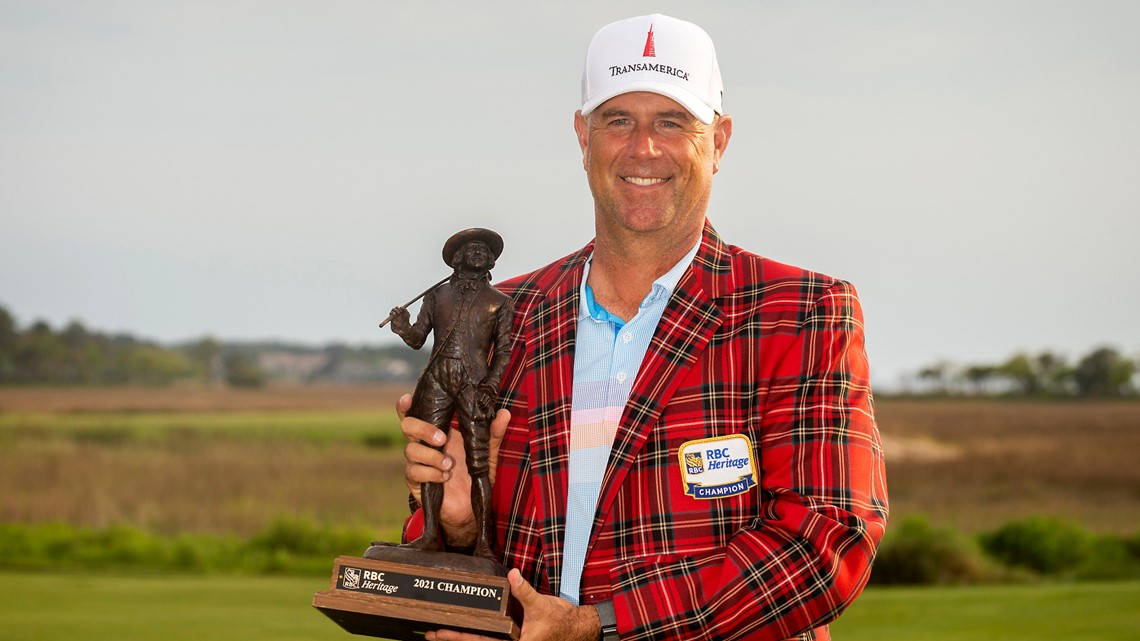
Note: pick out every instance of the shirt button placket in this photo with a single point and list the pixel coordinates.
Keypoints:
(615, 362)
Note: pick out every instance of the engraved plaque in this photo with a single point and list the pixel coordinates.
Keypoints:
(402, 601)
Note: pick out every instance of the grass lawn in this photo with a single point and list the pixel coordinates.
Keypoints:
(1065, 611)
(46, 607)
(49, 607)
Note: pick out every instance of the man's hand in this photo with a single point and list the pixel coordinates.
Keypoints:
(544, 617)
(424, 464)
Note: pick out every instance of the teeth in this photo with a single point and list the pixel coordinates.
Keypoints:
(642, 181)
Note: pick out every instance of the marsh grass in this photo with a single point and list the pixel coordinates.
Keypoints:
(201, 472)
(1004, 460)
(367, 427)
(200, 484)
(200, 398)
(201, 460)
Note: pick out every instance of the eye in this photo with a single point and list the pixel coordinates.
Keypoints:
(619, 122)
(670, 124)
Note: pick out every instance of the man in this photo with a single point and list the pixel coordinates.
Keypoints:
(687, 448)
(470, 319)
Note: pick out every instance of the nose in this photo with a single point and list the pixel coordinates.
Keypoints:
(642, 143)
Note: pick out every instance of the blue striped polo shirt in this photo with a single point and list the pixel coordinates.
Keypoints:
(607, 356)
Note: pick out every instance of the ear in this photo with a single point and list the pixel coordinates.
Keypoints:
(582, 129)
(721, 134)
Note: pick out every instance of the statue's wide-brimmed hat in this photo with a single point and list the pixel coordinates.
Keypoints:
(494, 242)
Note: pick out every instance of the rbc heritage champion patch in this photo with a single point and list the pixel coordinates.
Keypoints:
(713, 468)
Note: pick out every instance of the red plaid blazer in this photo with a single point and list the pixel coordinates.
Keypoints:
(746, 345)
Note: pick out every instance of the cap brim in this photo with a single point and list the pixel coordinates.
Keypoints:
(686, 99)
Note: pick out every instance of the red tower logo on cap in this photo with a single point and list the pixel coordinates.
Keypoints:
(649, 52)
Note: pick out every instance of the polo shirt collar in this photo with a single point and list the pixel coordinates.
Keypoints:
(662, 286)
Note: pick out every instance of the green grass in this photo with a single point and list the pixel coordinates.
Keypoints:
(375, 427)
(1037, 612)
(64, 607)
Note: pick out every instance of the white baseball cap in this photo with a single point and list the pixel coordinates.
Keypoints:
(655, 53)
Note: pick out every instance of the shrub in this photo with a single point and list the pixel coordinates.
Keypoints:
(121, 545)
(301, 537)
(286, 546)
(1044, 545)
(1132, 544)
(916, 552)
(383, 440)
(1109, 557)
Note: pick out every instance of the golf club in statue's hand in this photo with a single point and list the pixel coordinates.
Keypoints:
(403, 309)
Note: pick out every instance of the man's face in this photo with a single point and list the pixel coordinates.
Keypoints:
(477, 255)
(650, 162)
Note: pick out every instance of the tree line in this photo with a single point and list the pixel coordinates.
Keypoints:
(1104, 372)
(77, 355)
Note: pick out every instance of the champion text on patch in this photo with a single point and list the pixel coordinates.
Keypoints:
(713, 468)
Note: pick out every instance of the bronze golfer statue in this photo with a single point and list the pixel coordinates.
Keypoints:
(471, 323)
(402, 591)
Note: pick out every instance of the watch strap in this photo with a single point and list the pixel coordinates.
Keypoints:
(608, 620)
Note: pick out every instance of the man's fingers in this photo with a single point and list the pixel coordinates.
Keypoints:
(422, 464)
(402, 405)
(522, 590)
(416, 430)
(416, 453)
(417, 474)
(499, 425)
(498, 429)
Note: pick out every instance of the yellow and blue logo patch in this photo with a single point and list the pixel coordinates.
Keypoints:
(715, 468)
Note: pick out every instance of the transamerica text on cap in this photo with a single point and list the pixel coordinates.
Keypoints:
(650, 66)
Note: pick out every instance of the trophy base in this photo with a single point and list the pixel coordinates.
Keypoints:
(393, 600)
(380, 551)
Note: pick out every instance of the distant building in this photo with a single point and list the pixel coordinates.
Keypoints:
(281, 365)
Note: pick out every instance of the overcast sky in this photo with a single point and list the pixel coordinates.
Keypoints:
(291, 169)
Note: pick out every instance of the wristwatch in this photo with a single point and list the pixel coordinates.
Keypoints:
(609, 620)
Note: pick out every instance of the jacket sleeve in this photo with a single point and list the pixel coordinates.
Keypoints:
(824, 505)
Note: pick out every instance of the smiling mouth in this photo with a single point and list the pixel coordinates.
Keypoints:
(644, 182)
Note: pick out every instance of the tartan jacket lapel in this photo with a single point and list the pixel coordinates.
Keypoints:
(684, 331)
(553, 327)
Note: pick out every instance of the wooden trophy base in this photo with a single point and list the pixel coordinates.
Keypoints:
(403, 601)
